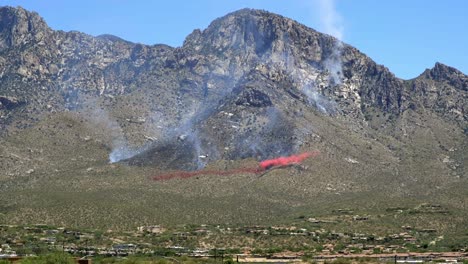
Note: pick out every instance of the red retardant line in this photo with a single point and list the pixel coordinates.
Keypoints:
(263, 166)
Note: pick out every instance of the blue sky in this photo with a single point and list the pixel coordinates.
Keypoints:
(407, 36)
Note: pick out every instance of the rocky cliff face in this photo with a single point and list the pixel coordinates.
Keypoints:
(442, 89)
(253, 85)
(249, 77)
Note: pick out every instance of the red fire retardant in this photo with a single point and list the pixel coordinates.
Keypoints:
(284, 161)
(264, 165)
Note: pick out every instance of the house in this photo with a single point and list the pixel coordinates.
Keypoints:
(153, 229)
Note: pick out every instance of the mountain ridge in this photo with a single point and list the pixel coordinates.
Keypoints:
(251, 86)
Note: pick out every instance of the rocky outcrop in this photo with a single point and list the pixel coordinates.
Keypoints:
(444, 73)
(9, 102)
(254, 98)
(263, 69)
(444, 90)
(251, 86)
(21, 28)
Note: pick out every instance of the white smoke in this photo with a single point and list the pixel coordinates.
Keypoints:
(306, 78)
(120, 148)
(159, 128)
(330, 19)
(122, 151)
(332, 24)
(309, 84)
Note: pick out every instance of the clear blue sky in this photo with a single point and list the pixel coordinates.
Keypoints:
(407, 36)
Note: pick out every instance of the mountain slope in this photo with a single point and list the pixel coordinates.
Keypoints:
(253, 85)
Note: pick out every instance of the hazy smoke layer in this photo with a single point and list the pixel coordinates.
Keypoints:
(332, 24)
(121, 151)
(306, 79)
(120, 148)
(309, 79)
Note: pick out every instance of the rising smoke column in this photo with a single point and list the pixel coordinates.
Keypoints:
(101, 121)
(120, 148)
(332, 24)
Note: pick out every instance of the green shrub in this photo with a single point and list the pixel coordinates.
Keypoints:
(54, 258)
(341, 261)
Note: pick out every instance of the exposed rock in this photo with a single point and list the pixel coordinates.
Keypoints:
(252, 97)
(443, 73)
(251, 86)
(269, 72)
(10, 102)
(443, 89)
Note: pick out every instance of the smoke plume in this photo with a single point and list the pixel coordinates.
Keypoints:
(332, 24)
(120, 148)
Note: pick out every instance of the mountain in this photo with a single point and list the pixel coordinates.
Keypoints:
(252, 86)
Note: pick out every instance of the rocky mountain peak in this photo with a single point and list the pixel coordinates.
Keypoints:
(19, 27)
(252, 86)
(443, 73)
(440, 68)
(443, 89)
(255, 32)
(112, 38)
